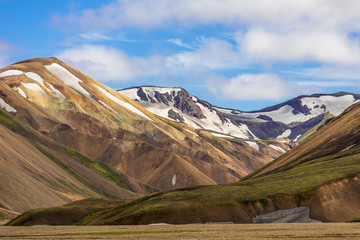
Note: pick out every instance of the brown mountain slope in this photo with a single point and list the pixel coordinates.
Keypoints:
(101, 142)
(341, 135)
(323, 174)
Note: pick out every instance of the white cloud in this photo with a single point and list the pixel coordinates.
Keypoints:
(319, 32)
(110, 64)
(277, 30)
(301, 45)
(94, 36)
(258, 87)
(210, 54)
(282, 14)
(180, 43)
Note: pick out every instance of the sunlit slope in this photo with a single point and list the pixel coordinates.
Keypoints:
(321, 173)
(100, 143)
(340, 136)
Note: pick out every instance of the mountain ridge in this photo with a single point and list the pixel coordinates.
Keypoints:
(99, 143)
(326, 180)
(199, 114)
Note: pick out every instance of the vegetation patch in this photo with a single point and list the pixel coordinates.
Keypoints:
(67, 214)
(300, 182)
(11, 124)
(355, 219)
(102, 169)
(68, 170)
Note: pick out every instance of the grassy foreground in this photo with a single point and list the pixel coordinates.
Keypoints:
(198, 231)
(232, 202)
(300, 182)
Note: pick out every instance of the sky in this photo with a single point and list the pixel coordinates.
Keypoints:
(242, 54)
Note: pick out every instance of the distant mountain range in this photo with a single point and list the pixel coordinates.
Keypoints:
(293, 119)
(321, 175)
(65, 136)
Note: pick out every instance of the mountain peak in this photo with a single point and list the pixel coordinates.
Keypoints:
(289, 118)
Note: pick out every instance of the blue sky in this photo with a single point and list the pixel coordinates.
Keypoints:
(238, 54)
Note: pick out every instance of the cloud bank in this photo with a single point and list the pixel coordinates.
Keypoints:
(109, 64)
(317, 39)
(258, 87)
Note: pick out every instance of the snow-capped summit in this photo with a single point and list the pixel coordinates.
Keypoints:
(290, 119)
(177, 104)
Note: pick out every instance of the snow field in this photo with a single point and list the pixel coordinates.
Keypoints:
(22, 93)
(124, 104)
(56, 92)
(11, 73)
(34, 87)
(254, 145)
(212, 121)
(334, 105)
(221, 135)
(285, 134)
(105, 105)
(68, 78)
(190, 131)
(6, 106)
(35, 77)
(297, 137)
(279, 149)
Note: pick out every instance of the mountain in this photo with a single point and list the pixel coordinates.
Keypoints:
(291, 119)
(322, 173)
(64, 136)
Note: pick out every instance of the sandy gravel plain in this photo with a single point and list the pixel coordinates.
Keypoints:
(187, 232)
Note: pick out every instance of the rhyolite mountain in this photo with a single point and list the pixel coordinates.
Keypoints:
(292, 119)
(322, 173)
(65, 136)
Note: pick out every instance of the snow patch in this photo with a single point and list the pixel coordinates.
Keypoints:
(68, 78)
(6, 106)
(190, 131)
(35, 77)
(34, 87)
(347, 148)
(297, 137)
(211, 121)
(221, 135)
(124, 104)
(21, 92)
(316, 105)
(279, 149)
(173, 180)
(334, 105)
(149, 91)
(105, 105)
(285, 134)
(254, 145)
(56, 92)
(11, 73)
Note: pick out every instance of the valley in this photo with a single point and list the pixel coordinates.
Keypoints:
(211, 119)
(167, 156)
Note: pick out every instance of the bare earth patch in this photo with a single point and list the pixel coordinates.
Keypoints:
(195, 231)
